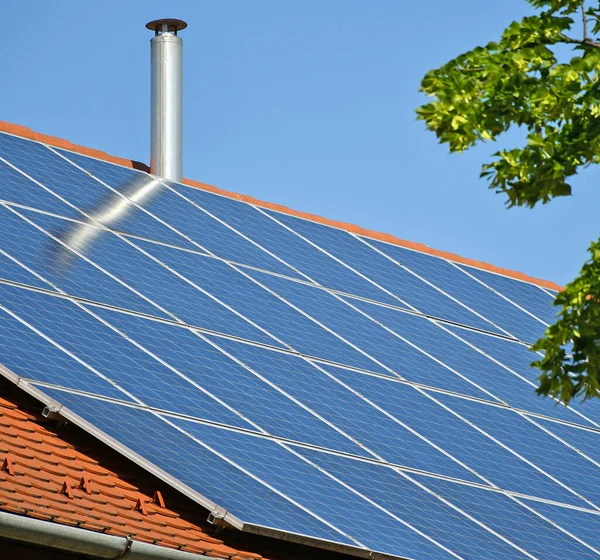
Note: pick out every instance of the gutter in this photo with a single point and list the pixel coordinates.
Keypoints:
(82, 541)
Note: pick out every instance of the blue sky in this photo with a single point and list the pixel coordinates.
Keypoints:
(308, 104)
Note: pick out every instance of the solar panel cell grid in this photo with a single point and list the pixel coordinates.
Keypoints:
(111, 355)
(527, 296)
(389, 353)
(312, 263)
(586, 441)
(31, 356)
(189, 220)
(510, 519)
(494, 464)
(552, 457)
(382, 435)
(454, 281)
(460, 350)
(517, 358)
(58, 265)
(399, 495)
(313, 489)
(17, 188)
(233, 489)
(176, 295)
(400, 282)
(15, 272)
(206, 365)
(581, 524)
(80, 189)
(286, 324)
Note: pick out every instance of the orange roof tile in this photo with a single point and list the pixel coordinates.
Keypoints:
(60, 143)
(46, 477)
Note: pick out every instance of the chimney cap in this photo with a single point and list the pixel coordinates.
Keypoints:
(168, 25)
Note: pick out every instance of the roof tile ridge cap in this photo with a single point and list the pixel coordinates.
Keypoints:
(387, 237)
(25, 132)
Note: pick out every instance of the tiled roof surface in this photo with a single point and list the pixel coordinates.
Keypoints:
(47, 472)
(25, 132)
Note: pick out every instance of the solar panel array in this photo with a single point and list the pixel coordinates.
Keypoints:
(302, 378)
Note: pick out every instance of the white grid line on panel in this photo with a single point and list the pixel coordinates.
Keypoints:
(554, 524)
(369, 500)
(303, 445)
(259, 480)
(467, 515)
(512, 371)
(230, 227)
(465, 271)
(466, 421)
(89, 261)
(71, 354)
(563, 441)
(510, 450)
(416, 433)
(431, 284)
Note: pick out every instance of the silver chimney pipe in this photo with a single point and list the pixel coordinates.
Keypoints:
(166, 98)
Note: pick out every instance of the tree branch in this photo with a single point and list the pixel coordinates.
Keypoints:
(582, 42)
(585, 30)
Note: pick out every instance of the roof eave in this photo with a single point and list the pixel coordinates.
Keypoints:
(75, 540)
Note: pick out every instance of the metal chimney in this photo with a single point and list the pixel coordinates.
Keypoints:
(166, 99)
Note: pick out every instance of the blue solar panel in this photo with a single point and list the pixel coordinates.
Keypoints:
(586, 441)
(259, 305)
(313, 489)
(63, 268)
(461, 353)
(14, 272)
(113, 356)
(517, 358)
(177, 297)
(552, 457)
(531, 298)
(17, 188)
(385, 349)
(192, 222)
(31, 356)
(307, 380)
(310, 261)
(204, 364)
(511, 520)
(381, 435)
(83, 191)
(461, 286)
(423, 412)
(400, 282)
(580, 524)
(399, 495)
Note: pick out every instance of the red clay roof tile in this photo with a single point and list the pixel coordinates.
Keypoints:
(71, 488)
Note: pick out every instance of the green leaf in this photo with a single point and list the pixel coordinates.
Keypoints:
(517, 81)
